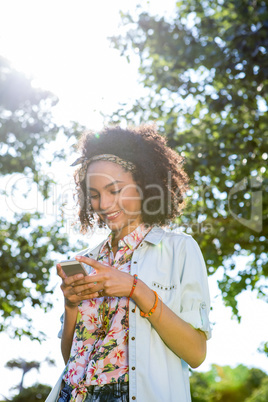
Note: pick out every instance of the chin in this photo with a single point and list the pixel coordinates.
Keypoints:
(116, 225)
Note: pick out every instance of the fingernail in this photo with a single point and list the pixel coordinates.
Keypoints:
(78, 257)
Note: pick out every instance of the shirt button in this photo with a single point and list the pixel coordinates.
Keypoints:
(133, 310)
(134, 262)
(134, 398)
(133, 368)
(133, 338)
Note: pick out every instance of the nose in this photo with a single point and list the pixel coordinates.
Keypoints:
(107, 202)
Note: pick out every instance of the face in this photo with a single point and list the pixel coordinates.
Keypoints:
(114, 196)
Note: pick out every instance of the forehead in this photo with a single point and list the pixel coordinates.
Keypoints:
(105, 172)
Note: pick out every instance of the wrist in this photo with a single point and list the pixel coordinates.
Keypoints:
(70, 306)
(150, 312)
(135, 280)
(143, 296)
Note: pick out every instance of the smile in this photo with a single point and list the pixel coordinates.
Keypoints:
(113, 215)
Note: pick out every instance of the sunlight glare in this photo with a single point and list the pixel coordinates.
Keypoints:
(64, 47)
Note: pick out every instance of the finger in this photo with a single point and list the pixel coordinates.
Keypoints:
(72, 280)
(82, 289)
(68, 280)
(98, 266)
(86, 294)
(89, 290)
(101, 293)
(92, 296)
(94, 279)
(60, 272)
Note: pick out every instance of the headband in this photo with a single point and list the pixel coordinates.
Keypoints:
(103, 157)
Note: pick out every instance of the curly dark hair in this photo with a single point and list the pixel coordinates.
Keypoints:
(158, 167)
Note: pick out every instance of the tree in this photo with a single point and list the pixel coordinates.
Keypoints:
(261, 393)
(263, 348)
(226, 384)
(24, 366)
(27, 238)
(35, 393)
(206, 74)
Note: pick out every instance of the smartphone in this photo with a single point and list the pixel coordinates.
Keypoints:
(73, 267)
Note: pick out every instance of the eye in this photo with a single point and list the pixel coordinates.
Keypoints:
(116, 191)
(93, 197)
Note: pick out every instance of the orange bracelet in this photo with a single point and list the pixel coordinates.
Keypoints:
(153, 309)
(134, 285)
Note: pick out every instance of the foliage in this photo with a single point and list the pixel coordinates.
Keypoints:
(261, 393)
(205, 69)
(25, 120)
(27, 237)
(24, 366)
(25, 267)
(264, 348)
(35, 393)
(226, 384)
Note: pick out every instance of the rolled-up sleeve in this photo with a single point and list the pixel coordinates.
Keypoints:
(195, 300)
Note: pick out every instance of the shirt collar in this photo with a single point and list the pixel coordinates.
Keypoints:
(131, 240)
(155, 235)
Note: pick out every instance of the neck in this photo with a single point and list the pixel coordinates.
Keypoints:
(120, 234)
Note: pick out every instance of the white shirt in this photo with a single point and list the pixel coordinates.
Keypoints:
(173, 266)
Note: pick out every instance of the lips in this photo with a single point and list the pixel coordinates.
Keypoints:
(113, 215)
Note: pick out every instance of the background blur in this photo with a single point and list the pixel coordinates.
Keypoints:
(199, 69)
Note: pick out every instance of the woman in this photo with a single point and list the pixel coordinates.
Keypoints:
(135, 323)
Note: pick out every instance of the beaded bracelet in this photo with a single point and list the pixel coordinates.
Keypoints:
(153, 309)
(134, 285)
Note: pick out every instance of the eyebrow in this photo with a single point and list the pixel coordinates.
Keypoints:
(107, 185)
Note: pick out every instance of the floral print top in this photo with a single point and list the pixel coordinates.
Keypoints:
(96, 357)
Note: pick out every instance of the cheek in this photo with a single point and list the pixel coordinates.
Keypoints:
(131, 202)
(94, 204)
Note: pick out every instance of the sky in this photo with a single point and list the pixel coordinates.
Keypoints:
(63, 45)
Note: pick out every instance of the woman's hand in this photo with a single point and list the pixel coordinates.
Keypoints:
(72, 288)
(108, 281)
